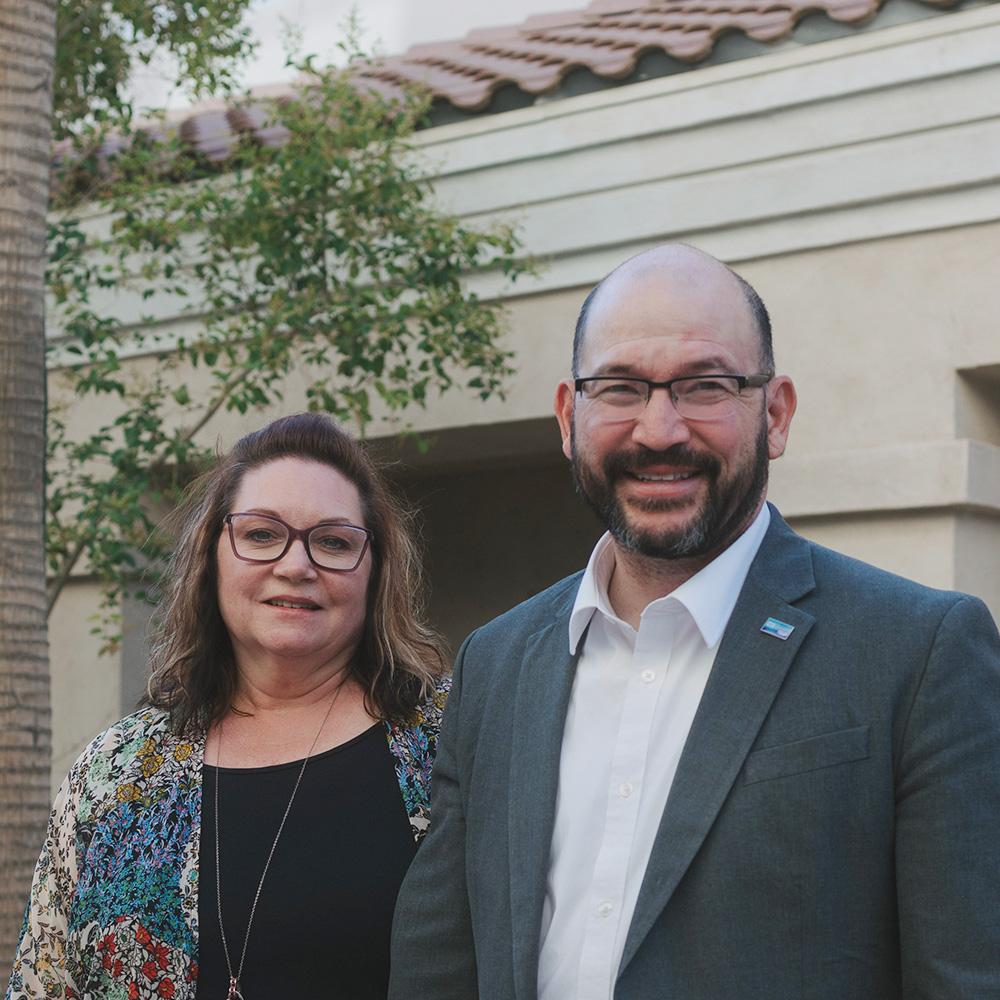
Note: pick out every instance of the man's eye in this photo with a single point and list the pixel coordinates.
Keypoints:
(618, 391)
(706, 388)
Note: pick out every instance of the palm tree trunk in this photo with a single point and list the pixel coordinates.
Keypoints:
(27, 55)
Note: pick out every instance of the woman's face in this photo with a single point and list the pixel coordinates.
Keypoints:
(290, 611)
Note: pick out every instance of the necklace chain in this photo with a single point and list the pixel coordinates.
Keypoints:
(234, 979)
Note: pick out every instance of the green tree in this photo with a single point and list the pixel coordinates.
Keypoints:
(99, 43)
(323, 255)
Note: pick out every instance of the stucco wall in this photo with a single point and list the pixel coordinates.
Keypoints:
(86, 686)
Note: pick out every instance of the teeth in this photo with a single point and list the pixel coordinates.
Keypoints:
(289, 604)
(663, 479)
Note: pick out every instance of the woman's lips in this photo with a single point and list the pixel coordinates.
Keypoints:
(298, 605)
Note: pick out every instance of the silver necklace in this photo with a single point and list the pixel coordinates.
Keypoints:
(234, 979)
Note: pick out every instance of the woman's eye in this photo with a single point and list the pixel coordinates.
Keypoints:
(260, 536)
(332, 543)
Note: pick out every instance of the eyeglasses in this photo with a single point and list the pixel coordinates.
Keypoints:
(695, 397)
(261, 538)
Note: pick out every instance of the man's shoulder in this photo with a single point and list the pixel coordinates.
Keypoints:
(850, 571)
(553, 604)
(840, 578)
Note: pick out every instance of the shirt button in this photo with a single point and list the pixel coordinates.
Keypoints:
(625, 789)
(606, 909)
(647, 676)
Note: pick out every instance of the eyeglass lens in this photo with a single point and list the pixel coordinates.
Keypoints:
(695, 398)
(331, 546)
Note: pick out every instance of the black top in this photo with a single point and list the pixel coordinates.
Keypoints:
(321, 930)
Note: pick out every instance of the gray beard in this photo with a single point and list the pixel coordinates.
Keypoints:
(722, 517)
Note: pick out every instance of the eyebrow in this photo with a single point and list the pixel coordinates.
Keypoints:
(268, 512)
(705, 366)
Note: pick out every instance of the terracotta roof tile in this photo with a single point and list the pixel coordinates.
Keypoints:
(211, 129)
(215, 133)
(608, 38)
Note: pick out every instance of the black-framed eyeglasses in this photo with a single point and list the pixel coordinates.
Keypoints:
(695, 397)
(262, 538)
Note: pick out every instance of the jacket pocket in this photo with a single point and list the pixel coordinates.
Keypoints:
(810, 754)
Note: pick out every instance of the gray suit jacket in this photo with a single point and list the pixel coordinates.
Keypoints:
(832, 833)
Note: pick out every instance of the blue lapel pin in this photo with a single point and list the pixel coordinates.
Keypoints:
(780, 630)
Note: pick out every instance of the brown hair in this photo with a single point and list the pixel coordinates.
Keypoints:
(193, 667)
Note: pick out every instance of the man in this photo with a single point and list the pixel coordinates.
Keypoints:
(723, 763)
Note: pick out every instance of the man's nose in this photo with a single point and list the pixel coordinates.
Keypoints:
(660, 425)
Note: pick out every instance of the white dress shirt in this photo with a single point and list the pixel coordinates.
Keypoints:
(634, 698)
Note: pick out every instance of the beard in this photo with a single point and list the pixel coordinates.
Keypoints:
(722, 515)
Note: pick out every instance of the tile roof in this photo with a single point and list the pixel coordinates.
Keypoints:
(608, 38)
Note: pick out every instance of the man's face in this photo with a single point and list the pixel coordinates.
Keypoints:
(665, 487)
(660, 524)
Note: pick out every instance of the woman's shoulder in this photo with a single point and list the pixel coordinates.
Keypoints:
(127, 756)
(126, 737)
(416, 737)
(428, 714)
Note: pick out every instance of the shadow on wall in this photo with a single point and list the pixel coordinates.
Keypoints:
(496, 536)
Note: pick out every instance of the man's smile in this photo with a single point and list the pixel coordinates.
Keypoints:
(673, 477)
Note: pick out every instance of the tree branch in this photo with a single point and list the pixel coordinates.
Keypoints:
(54, 588)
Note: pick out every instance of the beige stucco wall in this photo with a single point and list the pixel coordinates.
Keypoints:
(86, 686)
(874, 333)
(853, 182)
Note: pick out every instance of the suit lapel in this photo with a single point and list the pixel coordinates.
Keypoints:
(748, 672)
(540, 704)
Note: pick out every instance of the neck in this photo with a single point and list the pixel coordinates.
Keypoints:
(271, 691)
(275, 724)
(272, 679)
(639, 580)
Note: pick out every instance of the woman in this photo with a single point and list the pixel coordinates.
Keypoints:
(246, 833)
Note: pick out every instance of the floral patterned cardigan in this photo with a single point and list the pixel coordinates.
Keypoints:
(113, 912)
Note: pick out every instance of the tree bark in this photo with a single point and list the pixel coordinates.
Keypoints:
(27, 55)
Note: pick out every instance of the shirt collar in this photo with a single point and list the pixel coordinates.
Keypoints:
(709, 596)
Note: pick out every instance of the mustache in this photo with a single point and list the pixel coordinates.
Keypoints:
(620, 462)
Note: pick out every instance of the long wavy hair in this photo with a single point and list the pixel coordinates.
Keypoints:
(194, 674)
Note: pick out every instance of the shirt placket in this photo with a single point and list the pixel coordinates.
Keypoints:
(647, 665)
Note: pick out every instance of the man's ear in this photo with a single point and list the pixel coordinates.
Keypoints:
(781, 402)
(565, 397)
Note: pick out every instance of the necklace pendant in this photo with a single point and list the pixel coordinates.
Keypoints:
(234, 990)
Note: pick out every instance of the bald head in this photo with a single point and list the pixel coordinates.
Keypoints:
(677, 265)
